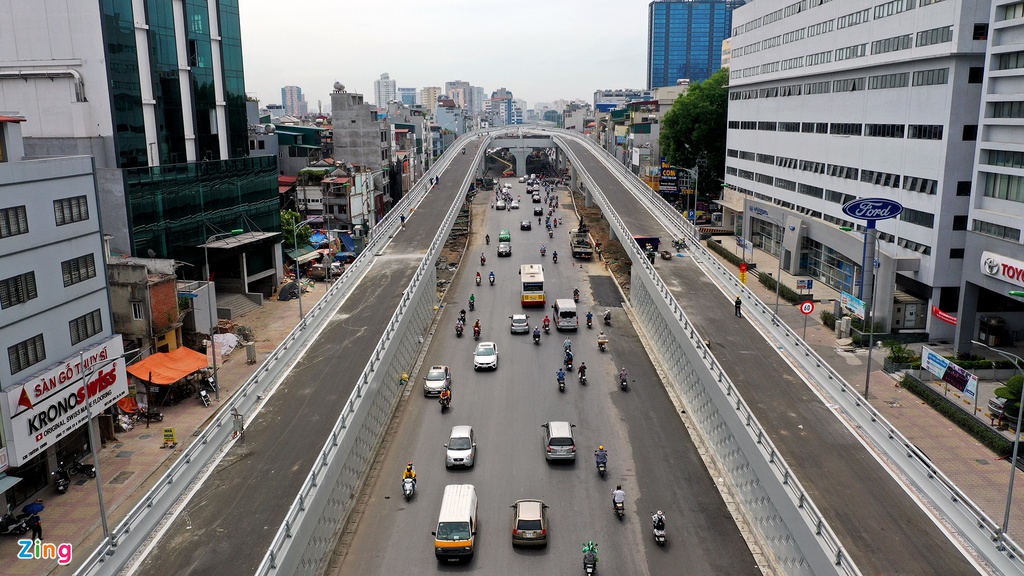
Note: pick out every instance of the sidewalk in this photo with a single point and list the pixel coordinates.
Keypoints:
(974, 468)
(131, 465)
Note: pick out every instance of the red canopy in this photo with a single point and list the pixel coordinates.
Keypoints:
(166, 368)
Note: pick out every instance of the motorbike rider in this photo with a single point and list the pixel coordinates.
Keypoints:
(560, 376)
(567, 344)
(446, 396)
(576, 294)
(490, 277)
(462, 316)
(409, 472)
(590, 553)
(547, 322)
(658, 520)
(463, 149)
(600, 456)
(472, 299)
(483, 259)
(536, 332)
(488, 238)
(568, 357)
(554, 256)
(543, 249)
(607, 315)
(618, 495)
(583, 370)
(623, 375)
(590, 318)
(602, 338)
(478, 277)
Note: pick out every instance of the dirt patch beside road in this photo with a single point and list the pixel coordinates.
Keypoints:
(612, 252)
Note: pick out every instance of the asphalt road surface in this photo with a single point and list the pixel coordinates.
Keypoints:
(228, 525)
(650, 452)
(880, 525)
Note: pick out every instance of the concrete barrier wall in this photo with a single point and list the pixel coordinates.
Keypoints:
(799, 539)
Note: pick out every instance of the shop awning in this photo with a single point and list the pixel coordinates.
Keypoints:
(303, 255)
(7, 482)
(166, 368)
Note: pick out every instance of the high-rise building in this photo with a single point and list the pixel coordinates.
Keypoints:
(429, 96)
(407, 96)
(167, 127)
(851, 100)
(293, 100)
(605, 100)
(385, 90)
(684, 39)
(476, 103)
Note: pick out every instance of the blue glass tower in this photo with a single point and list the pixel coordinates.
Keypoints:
(684, 39)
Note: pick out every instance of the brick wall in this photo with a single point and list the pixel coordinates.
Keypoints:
(164, 301)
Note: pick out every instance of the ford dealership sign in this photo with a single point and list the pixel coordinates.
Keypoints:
(872, 209)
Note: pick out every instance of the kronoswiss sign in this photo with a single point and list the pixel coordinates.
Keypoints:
(872, 209)
(45, 408)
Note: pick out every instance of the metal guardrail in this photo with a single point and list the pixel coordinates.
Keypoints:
(115, 552)
(815, 526)
(956, 506)
(288, 554)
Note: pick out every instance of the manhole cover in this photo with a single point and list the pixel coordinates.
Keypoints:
(145, 436)
(125, 453)
(122, 477)
(982, 461)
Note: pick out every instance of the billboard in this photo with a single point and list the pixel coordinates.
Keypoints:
(668, 179)
(47, 407)
(949, 373)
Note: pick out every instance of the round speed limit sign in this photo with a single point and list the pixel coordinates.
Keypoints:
(806, 307)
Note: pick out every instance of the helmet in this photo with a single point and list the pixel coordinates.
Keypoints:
(659, 513)
(409, 466)
(600, 447)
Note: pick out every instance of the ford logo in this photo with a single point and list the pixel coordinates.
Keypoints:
(873, 209)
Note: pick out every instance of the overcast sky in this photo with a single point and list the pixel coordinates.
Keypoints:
(541, 50)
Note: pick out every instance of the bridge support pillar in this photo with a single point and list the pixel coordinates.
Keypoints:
(520, 156)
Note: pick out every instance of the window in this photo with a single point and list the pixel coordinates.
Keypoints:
(849, 52)
(931, 77)
(78, 269)
(990, 229)
(789, 126)
(960, 222)
(26, 353)
(935, 36)
(880, 178)
(1010, 61)
(764, 179)
(1010, 12)
(892, 44)
(820, 28)
(848, 85)
(766, 159)
(770, 126)
(1003, 186)
(853, 19)
(956, 253)
(980, 32)
(816, 167)
(970, 132)
(924, 131)
(808, 190)
(963, 188)
(138, 312)
(69, 210)
(917, 217)
(839, 197)
(922, 185)
(884, 130)
(893, 7)
(846, 172)
(975, 74)
(783, 162)
(845, 129)
(1003, 158)
(85, 327)
(17, 289)
(819, 58)
(1008, 109)
(13, 221)
(785, 184)
(883, 81)
(817, 87)
(915, 246)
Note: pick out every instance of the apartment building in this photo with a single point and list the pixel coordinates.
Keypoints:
(835, 101)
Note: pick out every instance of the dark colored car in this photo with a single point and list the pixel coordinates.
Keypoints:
(525, 225)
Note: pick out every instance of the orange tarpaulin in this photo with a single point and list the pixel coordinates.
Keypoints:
(128, 404)
(168, 367)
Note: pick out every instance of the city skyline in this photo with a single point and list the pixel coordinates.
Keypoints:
(581, 60)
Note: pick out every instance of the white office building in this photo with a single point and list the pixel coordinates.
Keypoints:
(993, 260)
(834, 101)
(385, 90)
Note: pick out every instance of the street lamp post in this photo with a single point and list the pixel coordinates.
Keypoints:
(212, 304)
(298, 269)
(1017, 361)
(693, 172)
(86, 378)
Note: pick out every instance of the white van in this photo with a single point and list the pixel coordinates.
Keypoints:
(565, 314)
(455, 535)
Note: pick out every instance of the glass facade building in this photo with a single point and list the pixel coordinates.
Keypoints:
(684, 39)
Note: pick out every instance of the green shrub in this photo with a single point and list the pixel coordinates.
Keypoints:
(724, 252)
(785, 292)
(981, 432)
(828, 319)
(898, 352)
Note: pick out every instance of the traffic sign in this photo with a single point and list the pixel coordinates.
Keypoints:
(805, 284)
(806, 307)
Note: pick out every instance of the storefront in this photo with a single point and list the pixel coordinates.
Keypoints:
(991, 301)
(44, 418)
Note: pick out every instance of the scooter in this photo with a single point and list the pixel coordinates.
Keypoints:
(607, 317)
(547, 329)
(150, 415)
(483, 260)
(11, 525)
(590, 322)
(536, 339)
(659, 533)
(408, 488)
(602, 467)
(472, 305)
(551, 233)
(63, 478)
(623, 384)
(204, 397)
(445, 402)
(491, 280)
(583, 379)
(576, 296)
(488, 239)
(77, 467)
(602, 343)
(543, 252)
(476, 333)
(554, 258)
(619, 508)
(561, 383)
(477, 280)
(458, 330)
(568, 364)
(590, 561)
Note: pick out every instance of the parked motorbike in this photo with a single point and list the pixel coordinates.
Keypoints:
(77, 467)
(408, 488)
(659, 533)
(11, 525)
(150, 415)
(204, 397)
(63, 478)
